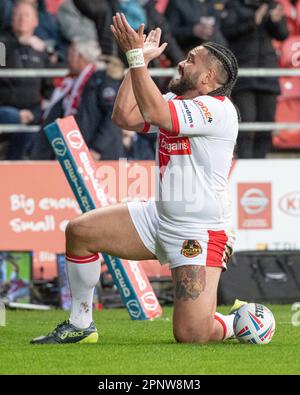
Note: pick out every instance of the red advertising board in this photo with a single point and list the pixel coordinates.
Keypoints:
(37, 203)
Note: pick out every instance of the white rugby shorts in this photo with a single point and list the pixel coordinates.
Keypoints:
(180, 245)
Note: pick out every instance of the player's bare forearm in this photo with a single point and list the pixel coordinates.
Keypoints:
(153, 107)
(125, 101)
(126, 113)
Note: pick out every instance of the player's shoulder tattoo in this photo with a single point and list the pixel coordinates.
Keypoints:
(189, 282)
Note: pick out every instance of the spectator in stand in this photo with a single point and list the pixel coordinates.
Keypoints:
(129, 138)
(73, 23)
(47, 29)
(288, 103)
(88, 93)
(193, 22)
(136, 11)
(101, 13)
(20, 98)
(154, 20)
(250, 26)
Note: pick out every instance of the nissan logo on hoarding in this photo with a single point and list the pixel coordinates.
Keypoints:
(75, 138)
(150, 301)
(254, 201)
(290, 203)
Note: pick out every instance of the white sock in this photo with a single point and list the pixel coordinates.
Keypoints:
(83, 274)
(227, 323)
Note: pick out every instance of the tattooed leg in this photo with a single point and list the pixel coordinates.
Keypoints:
(189, 282)
(195, 291)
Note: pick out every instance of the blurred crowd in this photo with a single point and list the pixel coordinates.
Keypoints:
(75, 34)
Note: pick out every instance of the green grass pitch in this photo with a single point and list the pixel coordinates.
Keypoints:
(142, 347)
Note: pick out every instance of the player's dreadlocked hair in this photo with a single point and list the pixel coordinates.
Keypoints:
(227, 67)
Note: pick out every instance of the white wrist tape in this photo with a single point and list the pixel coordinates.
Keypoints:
(135, 58)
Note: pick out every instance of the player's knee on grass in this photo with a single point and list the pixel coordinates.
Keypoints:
(192, 332)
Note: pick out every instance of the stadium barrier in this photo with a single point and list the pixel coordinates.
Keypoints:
(159, 72)
(243, 126)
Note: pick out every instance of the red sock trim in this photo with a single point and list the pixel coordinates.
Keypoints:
(82, 259)
(223, 325)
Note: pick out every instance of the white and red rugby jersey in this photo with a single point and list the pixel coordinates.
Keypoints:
(194, 161)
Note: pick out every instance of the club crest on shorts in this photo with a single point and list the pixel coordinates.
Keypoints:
(191, 248)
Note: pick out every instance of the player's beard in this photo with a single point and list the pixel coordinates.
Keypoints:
(185, 83)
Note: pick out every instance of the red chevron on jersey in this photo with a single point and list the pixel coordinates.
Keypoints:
(171, 146)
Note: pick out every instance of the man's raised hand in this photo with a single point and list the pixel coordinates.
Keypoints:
(151, 48)
(127, 38)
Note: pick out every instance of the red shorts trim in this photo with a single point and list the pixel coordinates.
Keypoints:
(216, 245)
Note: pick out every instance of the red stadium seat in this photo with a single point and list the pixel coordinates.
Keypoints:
(289, 101)
(53, 5)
